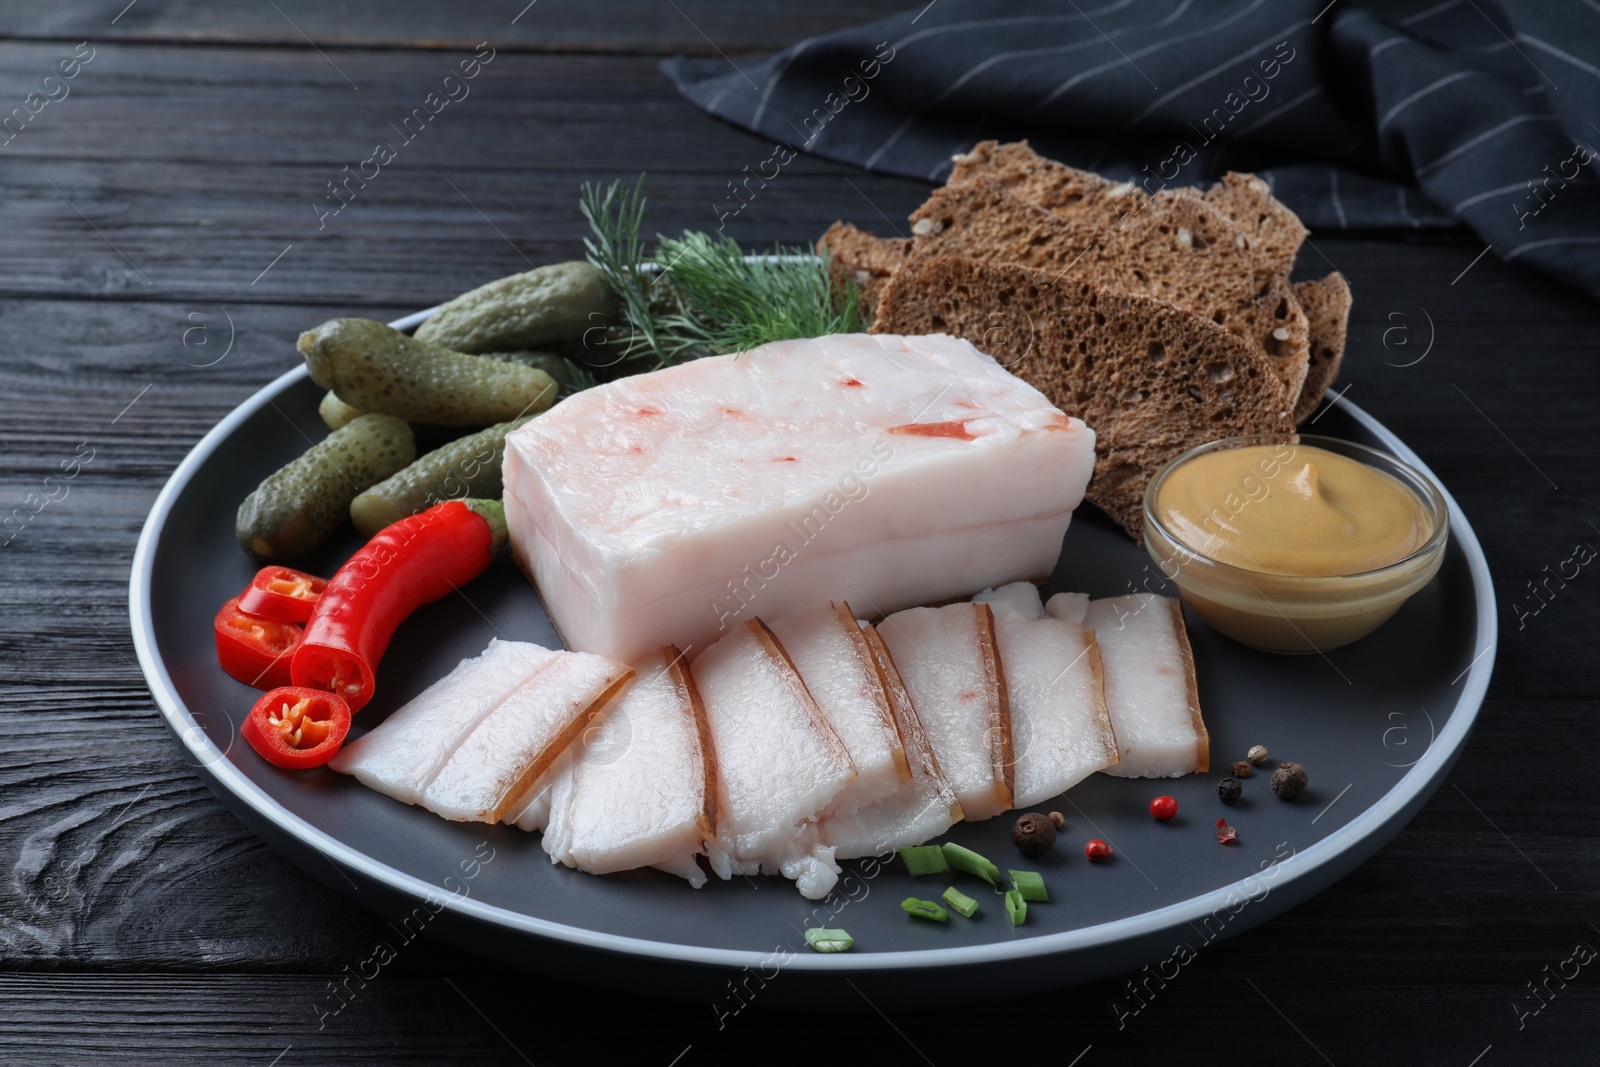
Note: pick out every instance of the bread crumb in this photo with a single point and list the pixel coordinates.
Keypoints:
(1185, 238)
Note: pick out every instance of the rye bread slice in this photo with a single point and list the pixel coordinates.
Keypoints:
(1178, 250)
(1327, 305)
(1272, 231)
(869, 259)
(1150, 379)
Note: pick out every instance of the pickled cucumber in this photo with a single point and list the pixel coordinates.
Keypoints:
(468, 467)
(291, 512)
(555, 366)
(335, 412)
(379, 369)
(550, 304)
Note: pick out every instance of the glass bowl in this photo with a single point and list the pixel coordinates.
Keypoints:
(1296, 613)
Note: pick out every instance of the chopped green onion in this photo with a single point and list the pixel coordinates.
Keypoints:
(924, 859)
(964, 859)
(1030, 884)
(960, 903)
(829, 940)
(1016, 907)
(924, 909)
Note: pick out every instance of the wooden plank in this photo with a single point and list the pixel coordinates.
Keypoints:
(97, 211)
(690, 26)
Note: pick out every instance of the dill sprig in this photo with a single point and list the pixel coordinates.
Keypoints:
(731, 302)
(700, 295)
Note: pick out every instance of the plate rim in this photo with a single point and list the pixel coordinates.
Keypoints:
(222, 774)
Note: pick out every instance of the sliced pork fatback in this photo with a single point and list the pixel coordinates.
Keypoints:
(671, 506)
(922, 808)
(1150, 683)
(504, 755)
(827, 647)
(639, 790)
(947, 658)
(399, 756)
(779, 762)
(1060, 728)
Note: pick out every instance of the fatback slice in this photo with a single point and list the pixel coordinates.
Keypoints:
(1151, 690)
(507, 751)
(780, 763)
(639, 790)
(400, 755)
(951, 668)
(827, 647)
(922, 808)
(1060, 728)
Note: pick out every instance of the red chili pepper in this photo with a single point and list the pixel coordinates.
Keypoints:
(282, 593)
(404, 566)
(295, 728)
(255, 650)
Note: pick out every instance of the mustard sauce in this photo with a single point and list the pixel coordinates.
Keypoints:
(1293, 510)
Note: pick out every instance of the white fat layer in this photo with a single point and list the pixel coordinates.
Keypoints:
(1068, 607)
(1020, 597)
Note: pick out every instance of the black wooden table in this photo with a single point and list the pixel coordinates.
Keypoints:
(163, 212)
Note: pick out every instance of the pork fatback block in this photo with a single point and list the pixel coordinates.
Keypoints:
(669, 507)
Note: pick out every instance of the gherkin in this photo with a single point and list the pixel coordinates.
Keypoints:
(467, 467)
(376, 368)
(296, 507)
(548, 305)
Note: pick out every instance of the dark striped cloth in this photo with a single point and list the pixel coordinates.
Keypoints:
(1405, 113)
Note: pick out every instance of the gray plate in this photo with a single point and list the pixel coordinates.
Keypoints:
(1377, 723)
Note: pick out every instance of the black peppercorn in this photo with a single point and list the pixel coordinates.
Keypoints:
(1289, 780)
(1229, 790)
(1241, 769)
(1035, 834)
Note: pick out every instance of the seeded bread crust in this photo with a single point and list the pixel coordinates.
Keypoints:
(1327, 304)
(1151, 379)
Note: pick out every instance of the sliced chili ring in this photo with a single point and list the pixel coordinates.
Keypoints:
(254, 649)
(282, 593)
(295, 727)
